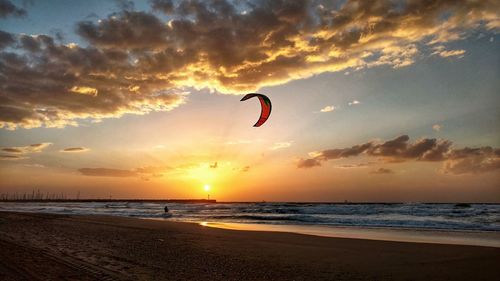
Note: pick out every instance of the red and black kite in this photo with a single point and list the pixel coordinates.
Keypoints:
(265, 103)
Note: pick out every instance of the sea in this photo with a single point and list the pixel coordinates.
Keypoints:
(431, 216)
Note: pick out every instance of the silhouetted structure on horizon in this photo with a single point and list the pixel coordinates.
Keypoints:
(61, 197)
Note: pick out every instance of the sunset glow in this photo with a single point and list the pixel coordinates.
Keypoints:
(143, 100)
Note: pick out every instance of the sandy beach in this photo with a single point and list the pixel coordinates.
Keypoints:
(62, 247)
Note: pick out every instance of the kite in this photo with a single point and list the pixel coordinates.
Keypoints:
(265, 103)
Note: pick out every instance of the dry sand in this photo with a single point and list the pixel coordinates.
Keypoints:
(62, 247)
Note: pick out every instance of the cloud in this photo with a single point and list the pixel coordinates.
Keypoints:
(133, 62)
(354, 166)
(12, 150)
(455, 161)
(280, 145)
(11, 157)
(128, 30)
(354, 102)
(452, 53)
(144, 172)
(6, 39)
(382, 171)
(436, 127)
(15, 152)
(75, 149)
(8, 9)
(51, 85)
(441, 51)
(106, 172)
(330, 154)
(400, 149)
(308, 163)
(84, 91)
(32, 148)
(164, 6)
(472, 160)
(328, 108)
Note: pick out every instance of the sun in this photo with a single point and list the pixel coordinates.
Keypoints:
(206, 187)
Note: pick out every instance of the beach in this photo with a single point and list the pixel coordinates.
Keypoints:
(68, 247)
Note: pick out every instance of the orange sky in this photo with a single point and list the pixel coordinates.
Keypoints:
(371, 101)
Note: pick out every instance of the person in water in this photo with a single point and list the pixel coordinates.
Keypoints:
(166, 209)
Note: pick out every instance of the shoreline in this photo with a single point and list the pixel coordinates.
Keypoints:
(48, 246)
(411, 235)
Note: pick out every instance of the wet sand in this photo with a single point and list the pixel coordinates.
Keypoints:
(62, 247)
(456, 237)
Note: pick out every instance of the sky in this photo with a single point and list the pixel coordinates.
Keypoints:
(372, 100)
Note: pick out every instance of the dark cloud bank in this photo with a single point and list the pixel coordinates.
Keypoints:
(135, 62)
(8, 9)
(456, 161)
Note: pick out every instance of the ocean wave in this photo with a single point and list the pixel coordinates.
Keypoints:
(414, 215)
